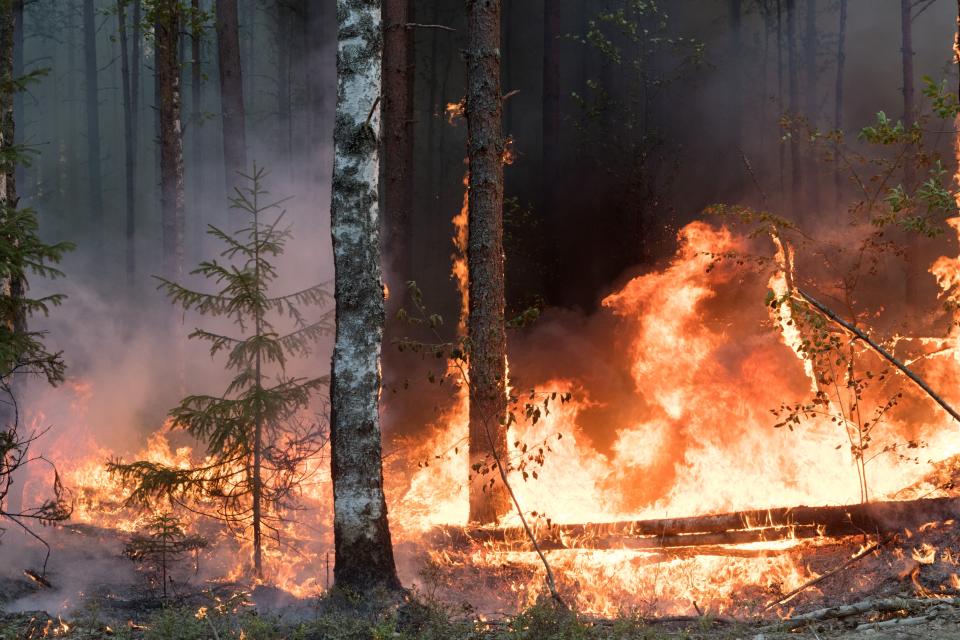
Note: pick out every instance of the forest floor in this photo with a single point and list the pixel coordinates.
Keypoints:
(538, 623)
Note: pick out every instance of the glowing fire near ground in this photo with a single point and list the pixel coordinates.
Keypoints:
(705, 376)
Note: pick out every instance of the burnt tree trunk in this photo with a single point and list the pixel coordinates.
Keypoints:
(91, 74)
(364, 553)
(171, 142)
(231, 92)
(398, 82)
(128, 142)
(486, 332)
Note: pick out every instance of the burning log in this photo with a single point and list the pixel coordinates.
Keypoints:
(37, 578)
(742, 527)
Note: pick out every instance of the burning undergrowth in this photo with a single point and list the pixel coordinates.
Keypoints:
(663, 403)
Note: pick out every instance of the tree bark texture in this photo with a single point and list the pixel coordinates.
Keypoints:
(486, 332)
(171, 140)
(231, 92)
(91, 73)
(398, 82)
(364, 553)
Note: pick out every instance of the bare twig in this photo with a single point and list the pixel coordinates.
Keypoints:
(806, 585)
(859, 333)
(372, 110)
(551, 584)
(418, 25)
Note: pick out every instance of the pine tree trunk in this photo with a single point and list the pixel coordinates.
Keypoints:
(231, 92)
(129, 146)
(171, 142)
(838, 94)
(810, 41)
(552, 126)
(284, 44)
(321, 23)
(487, 334)
(781, 148)
(91, 73)
(794, 92)
(398, 79)
(956, 48)
(909, 108)
(364, 553)
(18, 71)
(196, 112)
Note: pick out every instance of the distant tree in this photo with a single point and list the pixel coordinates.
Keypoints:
(552, 126)
(197, 32)
(364, 551)
(398, 84)
(129, 140)
(838, 92)
(255, 443)
(91, 77)
(231, 91)
(166, 16)
(22, 351)
(489, 499)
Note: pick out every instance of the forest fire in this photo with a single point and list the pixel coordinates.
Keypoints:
(685, 356)
(679, 359)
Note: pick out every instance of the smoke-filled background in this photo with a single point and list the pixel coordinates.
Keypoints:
(627, 119)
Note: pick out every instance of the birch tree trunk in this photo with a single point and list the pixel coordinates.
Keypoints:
(364, 553)
(487, 335)
(171, 142)
(91, 73)
(231, 92)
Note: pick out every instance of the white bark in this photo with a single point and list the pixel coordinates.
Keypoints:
(362, 536)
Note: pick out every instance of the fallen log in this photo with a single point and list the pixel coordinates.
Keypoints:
(742, 527)
(840, 612)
